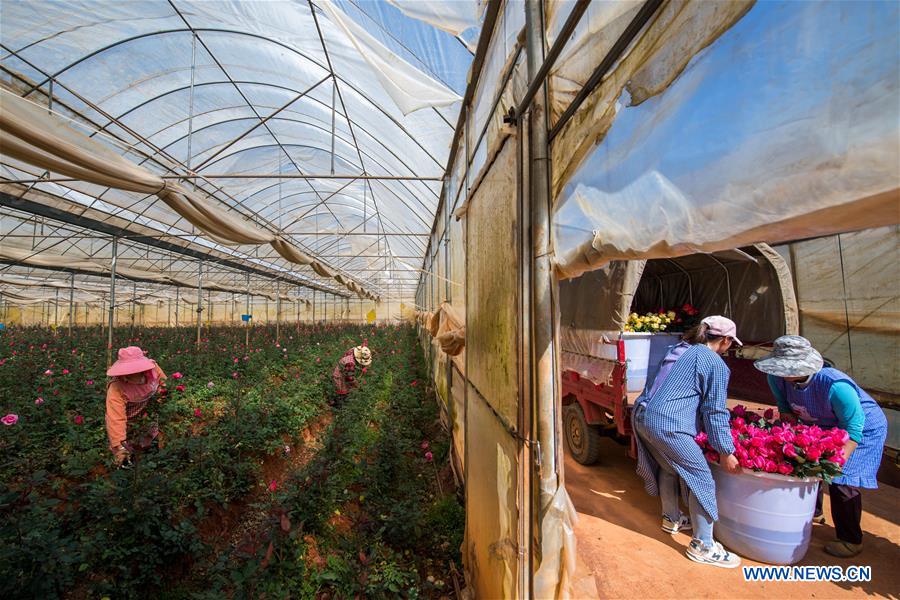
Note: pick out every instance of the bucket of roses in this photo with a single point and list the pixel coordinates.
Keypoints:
(765, 512)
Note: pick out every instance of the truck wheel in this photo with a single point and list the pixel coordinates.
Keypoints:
(583, 439)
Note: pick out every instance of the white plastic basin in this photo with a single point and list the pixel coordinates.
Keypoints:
(764, 516)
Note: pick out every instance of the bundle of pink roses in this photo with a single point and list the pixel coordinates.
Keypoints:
(770, 445)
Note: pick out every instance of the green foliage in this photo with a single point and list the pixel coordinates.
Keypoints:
(363, 515)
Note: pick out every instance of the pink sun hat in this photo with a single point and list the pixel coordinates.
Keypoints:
(131, 360)
(723, 327)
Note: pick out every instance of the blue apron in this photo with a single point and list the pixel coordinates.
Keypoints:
(812, 406)
(689, 399)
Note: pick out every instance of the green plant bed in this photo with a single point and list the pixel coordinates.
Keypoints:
(365, 505)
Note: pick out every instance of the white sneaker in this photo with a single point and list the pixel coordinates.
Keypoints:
(714, 555)
(682, 524)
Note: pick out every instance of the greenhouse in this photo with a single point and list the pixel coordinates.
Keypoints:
(391, 298)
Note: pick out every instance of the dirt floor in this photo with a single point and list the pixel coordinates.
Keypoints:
(620, 542)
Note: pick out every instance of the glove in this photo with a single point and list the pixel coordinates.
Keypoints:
(122, 457)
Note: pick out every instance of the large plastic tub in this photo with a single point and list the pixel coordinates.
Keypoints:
(637, 358)
(764, 516)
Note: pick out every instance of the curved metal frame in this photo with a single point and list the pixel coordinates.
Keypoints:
(233, 32)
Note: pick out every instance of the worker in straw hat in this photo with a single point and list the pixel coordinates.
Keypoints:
(821, 395)
(130, 408)
(344, 375)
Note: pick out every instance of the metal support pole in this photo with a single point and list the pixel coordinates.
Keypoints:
(56, 311)
(247, 327)
(177, 298)
(71, 303)
(133, 306)
(325, 307)
(112, 301)
(169, 315)
(277, 311)
(199, 301)
(543, 369)
(314, 307)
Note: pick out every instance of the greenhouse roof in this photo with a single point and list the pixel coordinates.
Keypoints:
(321, 126)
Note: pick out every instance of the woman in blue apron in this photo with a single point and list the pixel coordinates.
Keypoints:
(824, 396)
(686, 395)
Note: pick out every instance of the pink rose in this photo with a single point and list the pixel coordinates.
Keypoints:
(771, 467)
(424, 445)
(89, 382)
(785, 469)
(759, 463)
(65, 371)
(273, 485)
(712, 456)
(179, 388)
(814, 453)
(768, 414)
(739, 423)
(429, 456)
(802, 440)
(198, 413)
(210, 385)
(745, 462)
(177, 375)
(839, 436)
(79, 420)
(10, 419)
(701, 438)
(789, 450)
(739, 410)
(48, 372)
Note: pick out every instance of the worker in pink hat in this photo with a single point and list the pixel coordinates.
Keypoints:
(135, 382)
(684, 396)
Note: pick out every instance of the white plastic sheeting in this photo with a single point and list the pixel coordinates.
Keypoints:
(184, 86)
(773, 133)
(408, 87)
(453, 16)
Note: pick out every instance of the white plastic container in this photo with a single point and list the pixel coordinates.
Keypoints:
(637, 359)
(659, 345)
(764, 516)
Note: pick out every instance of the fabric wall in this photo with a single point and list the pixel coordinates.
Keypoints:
(492, 370)
(848, 289)
(783, 128)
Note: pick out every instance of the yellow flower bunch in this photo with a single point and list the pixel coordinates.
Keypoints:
(650, 322)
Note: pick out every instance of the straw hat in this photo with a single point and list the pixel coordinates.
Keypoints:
(362, 355)
(792, 356)
(131, 360)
